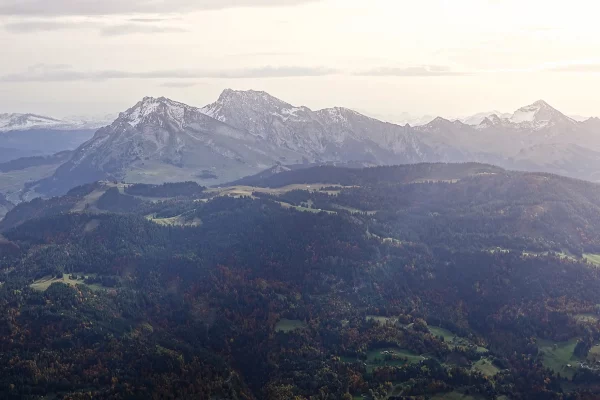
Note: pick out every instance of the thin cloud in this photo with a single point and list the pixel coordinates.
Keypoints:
(61, 73)
(179, 85)
(30, 27)
(111, 7)
(426, 70)
(127, 29)
(575, 67)
(275, 72)
(149, 20)
(40, 26)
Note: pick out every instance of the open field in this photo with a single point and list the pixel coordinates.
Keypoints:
(486, 367)
(44, 283)
(587, 318)
(90, 200)
(594, 354)
(238, 191)
(453, 339)
(395, 357)
(381, 320)
(174, 221)
(445, 333)
(289, 325)
(593, 258)
(305, 209)
(353, 210)
(12, 183)
(557, 355)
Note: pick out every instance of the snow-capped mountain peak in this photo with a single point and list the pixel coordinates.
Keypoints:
(479, 118)
(438, 122)
(154, 110)
(490, 121)
(341, 115)
(14, 122)
(539, 114)
(232, 102)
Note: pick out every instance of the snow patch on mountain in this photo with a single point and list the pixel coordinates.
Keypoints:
(479, 118)
(15, 122)
(27, 122)
(161, 106)
(539, 115)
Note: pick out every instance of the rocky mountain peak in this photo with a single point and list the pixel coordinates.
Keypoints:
(152, 110)
(246, 97)
(540, 114)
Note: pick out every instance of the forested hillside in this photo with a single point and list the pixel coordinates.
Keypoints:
(431, 281)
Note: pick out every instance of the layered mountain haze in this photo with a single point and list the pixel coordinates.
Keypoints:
(242, 133)
(480, 117)
(245, 132)
(14, 122)
(23, 122)
(333, 134)
(161, 140)
(28, 135)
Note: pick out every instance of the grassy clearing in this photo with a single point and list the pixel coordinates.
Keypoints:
(594, 354)
(545, 253)
(12, 183)
(89, 201)
(391, 356)
(238, 191)
(289, 325)
(486, 367)
(386, 356)
(174, 221)
(44, 283)
(587, 318)
(453, 339)
(353, 210)
(448, 336)
(593, 258)
(305, 209)
(382, 320)
(557, 355)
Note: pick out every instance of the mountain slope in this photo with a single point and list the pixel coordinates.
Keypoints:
(5, 206)
(23, 122)
(15, 122)
(565, 159)
(161, 140)
(244, 132)
(336, 134)
(445, 279)
(36, 135)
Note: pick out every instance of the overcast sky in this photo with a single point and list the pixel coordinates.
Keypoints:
(384, 57)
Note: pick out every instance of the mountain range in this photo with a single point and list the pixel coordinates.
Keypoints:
(245, 132)
(21, 122)
(28, 135)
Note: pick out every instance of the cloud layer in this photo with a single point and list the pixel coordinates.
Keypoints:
(425, 70)
(108, 7)
(576, 67)
(65, 73)
(125, 28)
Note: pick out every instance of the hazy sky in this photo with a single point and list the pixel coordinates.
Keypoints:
(385, 57)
